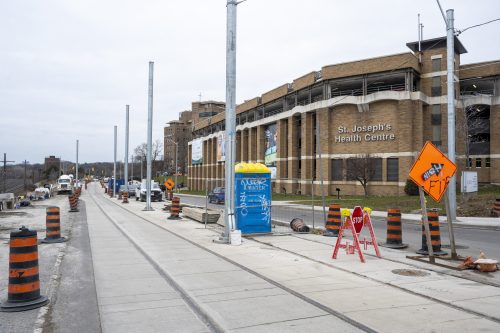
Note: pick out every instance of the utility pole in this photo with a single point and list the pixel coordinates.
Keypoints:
(25, 165)
(132, 167)
(150, 137)
(114, 164)
(318, 148)
(176, 159)
(5, 171)
(450, 55)
(76, 172)
(450, 65)
(230, 139)
(126, 146)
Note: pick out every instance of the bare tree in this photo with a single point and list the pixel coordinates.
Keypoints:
(141, 150)
(156, 152)
(364, 169)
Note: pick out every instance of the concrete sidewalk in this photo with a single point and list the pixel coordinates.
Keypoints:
(373, 294)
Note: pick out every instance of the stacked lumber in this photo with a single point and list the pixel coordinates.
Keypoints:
(198, 214)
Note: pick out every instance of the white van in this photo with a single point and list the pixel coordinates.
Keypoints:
(64, 184)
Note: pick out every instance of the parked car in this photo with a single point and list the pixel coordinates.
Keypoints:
(129, 188)
(217, 195)
(156, 194)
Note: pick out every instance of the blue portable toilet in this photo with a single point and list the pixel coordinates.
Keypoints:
(253, 198)
(119, 182)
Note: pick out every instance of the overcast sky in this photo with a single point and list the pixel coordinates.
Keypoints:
(68, 68)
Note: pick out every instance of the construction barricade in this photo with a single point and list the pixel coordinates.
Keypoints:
(394, 230)
(334, 221)
(355, 222)
(53, 226)
(24, 281)
(73, 203)
(125, 197)
(433, 218)
(175, 209)
(496, 208)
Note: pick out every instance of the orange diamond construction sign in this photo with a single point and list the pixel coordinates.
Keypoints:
(169, 184)
(432, 171)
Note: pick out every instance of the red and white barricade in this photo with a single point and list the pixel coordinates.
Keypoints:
(355, 222)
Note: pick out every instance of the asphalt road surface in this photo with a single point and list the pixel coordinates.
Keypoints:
(470, 241)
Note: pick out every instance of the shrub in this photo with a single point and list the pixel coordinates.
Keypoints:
(411, 188)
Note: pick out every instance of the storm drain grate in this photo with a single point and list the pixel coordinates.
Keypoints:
(409, 272)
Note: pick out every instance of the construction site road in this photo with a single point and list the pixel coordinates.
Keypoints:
(141, 272)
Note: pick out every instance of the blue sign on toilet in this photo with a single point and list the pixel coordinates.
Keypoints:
(253, 198)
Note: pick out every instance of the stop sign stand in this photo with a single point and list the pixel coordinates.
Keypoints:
(355, 223)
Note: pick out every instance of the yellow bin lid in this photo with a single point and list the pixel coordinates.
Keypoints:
(251, 168)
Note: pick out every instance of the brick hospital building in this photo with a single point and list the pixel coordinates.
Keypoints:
(378, 111)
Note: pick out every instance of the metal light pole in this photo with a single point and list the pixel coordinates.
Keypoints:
(150, 137)
(132, 167)
(230, 139)
(450, 63)
(114, 164)
(176, 159)
(126, 146)
(25, 165)
(5, 171)
(76, 172)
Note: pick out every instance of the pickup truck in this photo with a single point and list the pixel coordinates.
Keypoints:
(156, 194)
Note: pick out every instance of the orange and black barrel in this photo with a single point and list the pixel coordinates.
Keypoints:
(298, 225)
(433, 218)
(175, 209)
(394, 230)
(125, 197)
(496, 208)
(73, 203)
(110, 191)
(53, 226)
(334, 221)
(24, 282)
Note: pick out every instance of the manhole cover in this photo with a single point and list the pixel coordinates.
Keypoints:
(410, 272)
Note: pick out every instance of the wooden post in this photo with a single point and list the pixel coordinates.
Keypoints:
(426, 224)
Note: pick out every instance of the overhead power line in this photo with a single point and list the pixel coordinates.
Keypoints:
(477, 25)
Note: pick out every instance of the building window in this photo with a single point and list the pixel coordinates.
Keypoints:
(436, 114)
(469, 163)
(436, 65)
(351, 166)
(436, 124)
(478, 162)
(436, 86)
(375, 164)
(392, 169)
(337, 169)
(364, 168)
(487, 162)
(436, 135)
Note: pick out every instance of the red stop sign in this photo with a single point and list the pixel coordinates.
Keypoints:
(357, 219)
